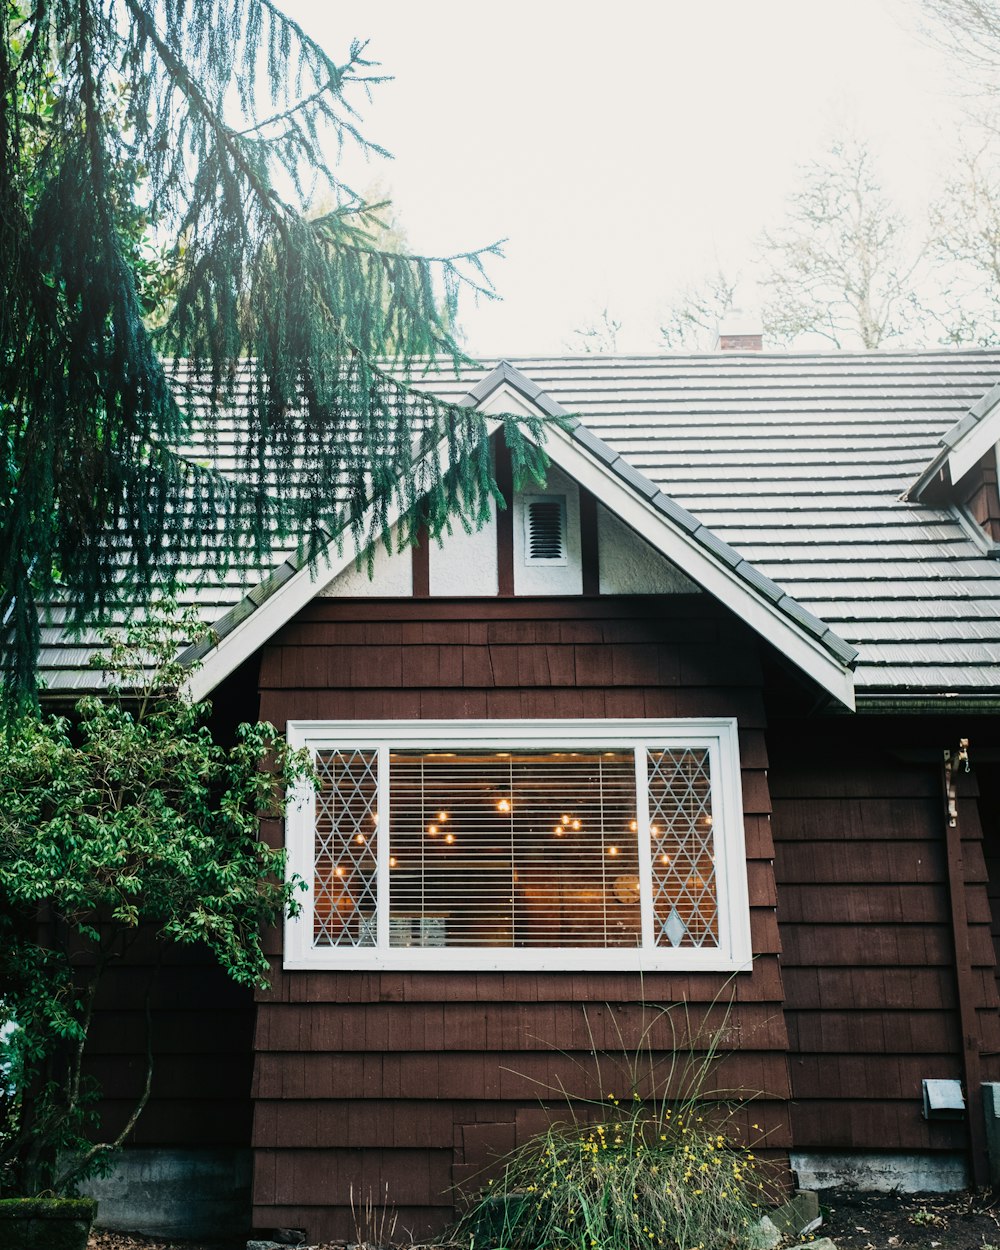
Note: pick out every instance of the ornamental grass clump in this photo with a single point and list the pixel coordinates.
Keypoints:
(632, 1181)
(657, 1171)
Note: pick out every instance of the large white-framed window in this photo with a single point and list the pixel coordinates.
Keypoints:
(505, 845)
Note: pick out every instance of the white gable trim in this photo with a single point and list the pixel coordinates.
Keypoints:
(715, 577)
(964, 445)
(761, 613)
(274, 611)
(506, 399)
(967, 453)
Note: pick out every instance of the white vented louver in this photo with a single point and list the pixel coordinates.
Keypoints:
(545, 529)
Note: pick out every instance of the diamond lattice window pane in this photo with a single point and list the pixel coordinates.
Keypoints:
(344, 876)
(685, 902)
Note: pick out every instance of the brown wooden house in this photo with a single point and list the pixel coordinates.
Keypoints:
(681, 727)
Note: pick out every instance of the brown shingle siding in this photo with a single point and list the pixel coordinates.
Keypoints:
(865, 914)
(372, 1066)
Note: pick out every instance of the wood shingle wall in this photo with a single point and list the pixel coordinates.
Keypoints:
(872, 992)
(405, 1085)
(201, 1032)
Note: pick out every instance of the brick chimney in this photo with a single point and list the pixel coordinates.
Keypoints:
(739, 331)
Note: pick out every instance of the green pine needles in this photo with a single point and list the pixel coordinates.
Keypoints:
(157, 158)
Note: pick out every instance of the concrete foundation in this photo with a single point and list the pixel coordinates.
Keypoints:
(881, 1171)
(178, 1193)
(991, 1110)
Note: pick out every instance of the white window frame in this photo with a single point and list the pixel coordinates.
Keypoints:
(717, 735)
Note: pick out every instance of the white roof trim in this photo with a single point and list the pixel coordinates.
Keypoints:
(276, 609)
(965, 444)
(765, 614)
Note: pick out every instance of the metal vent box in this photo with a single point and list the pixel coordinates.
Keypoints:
(943, 1100)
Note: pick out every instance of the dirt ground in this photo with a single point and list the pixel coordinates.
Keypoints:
(853, 1221)
(911, 1221)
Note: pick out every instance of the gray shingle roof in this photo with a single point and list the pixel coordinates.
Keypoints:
(797, 462)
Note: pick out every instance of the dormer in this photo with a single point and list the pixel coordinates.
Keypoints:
(964, 472)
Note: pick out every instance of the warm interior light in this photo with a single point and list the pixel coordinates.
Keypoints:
(360, 839)
(392, 861)
(565, 820)
(634, 826)
(664, 859)
(612, 850)
(432, 830)
(503, 805)
(576, 824)
(338, 871)
(559, 831)
(442, 817)
(449, 838)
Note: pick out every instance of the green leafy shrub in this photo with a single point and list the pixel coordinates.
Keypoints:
(127, 818)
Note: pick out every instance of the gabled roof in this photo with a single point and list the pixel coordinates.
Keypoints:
(798, 461)
(804, 639)
(794, 465)
(682, 538)
(963, 445)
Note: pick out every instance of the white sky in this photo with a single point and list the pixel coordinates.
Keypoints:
(625, 148)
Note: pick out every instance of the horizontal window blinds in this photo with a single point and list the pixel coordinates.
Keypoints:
(513, 849)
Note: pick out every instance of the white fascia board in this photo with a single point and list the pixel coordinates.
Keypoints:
(267, 619)
(279, 608)
(805, 651)
(968, 451)
(764, 617)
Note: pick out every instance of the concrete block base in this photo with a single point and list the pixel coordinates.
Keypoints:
(881, 1171)
(175, 1193)
(991, 1110)
(793, 1216)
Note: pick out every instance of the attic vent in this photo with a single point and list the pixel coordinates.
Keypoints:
(545, 530)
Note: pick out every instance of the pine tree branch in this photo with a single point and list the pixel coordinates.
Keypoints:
(228, 139)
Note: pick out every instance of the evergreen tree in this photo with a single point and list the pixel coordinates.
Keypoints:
(200, 126)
